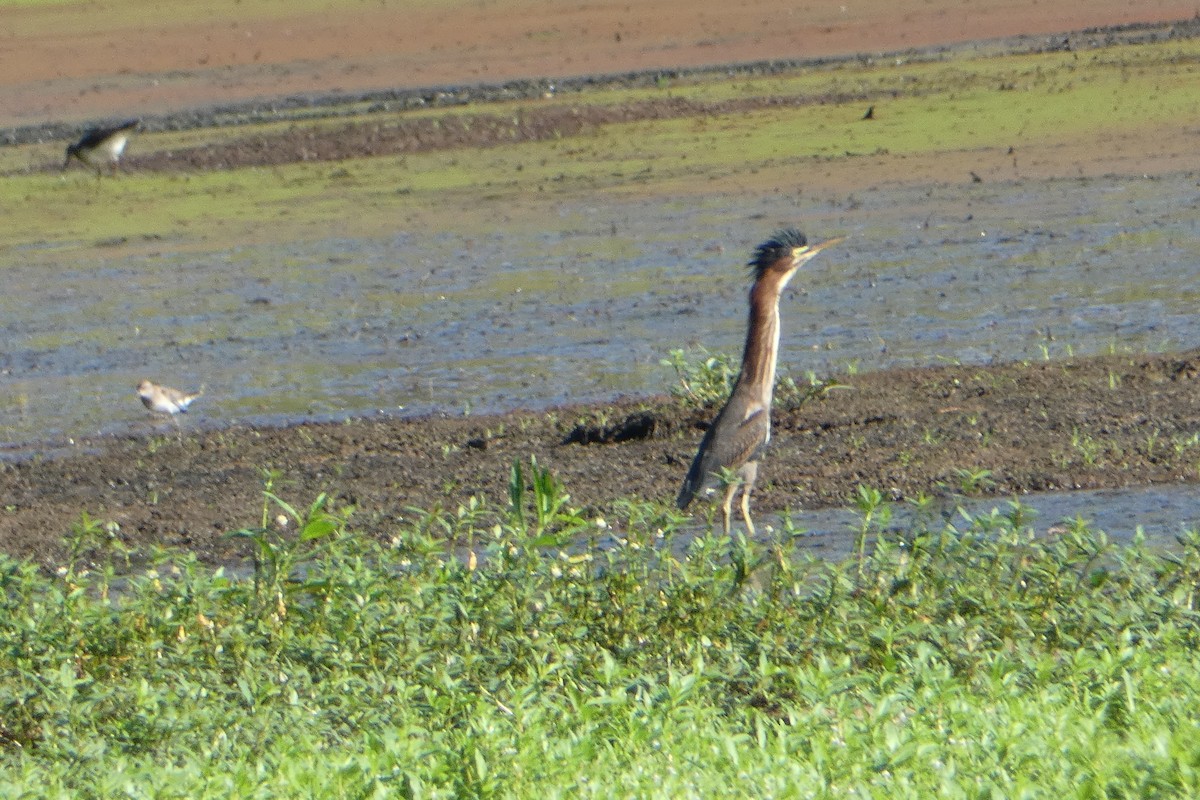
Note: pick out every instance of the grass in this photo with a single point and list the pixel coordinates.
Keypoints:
(971, 659)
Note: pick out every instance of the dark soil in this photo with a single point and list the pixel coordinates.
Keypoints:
(310, 142)
(1086, 423)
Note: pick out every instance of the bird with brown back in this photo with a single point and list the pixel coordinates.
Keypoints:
(734, 443)
(165, 400)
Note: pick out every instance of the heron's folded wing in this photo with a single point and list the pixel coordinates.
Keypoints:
(729, 444)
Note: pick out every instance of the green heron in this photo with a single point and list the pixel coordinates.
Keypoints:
(165, 400)
(98, 146)
(738, 436)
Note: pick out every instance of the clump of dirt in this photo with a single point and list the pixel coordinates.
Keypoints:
(361, 139)
(638, 425)
(1082, 424)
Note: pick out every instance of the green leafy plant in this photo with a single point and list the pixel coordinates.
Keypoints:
(91, 542)
(973, 481)
(1088, 447)
(549, 502)
(704, 382)
(874, 515)
(650, 662)
(280, 557)
(789, 395)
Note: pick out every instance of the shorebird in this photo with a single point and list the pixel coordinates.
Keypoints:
(98, 146)
(737, 438)
(165, 400)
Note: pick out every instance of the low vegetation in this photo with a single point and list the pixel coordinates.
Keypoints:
(560, 656)
(704, 380)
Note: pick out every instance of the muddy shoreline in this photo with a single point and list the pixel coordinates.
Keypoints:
(1088, 423)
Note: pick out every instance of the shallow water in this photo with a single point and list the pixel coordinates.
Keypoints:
(1160, 513)
(585, 309)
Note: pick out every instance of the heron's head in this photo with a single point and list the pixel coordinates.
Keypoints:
(784, 253)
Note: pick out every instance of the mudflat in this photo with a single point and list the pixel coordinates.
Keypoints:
(1101, 422)
(1085, 423)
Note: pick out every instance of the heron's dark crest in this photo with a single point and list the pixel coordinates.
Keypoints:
(778, 246)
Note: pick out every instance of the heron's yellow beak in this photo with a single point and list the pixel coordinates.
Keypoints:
(809, 250)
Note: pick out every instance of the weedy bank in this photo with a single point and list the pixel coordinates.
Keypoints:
(558, 656)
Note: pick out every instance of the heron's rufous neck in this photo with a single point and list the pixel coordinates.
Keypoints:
(762, 338)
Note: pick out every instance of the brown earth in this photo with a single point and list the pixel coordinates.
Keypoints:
(1088, 423)
(416, 135)
(84, 60)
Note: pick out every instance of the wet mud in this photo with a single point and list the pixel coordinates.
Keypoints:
(1089, 423)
